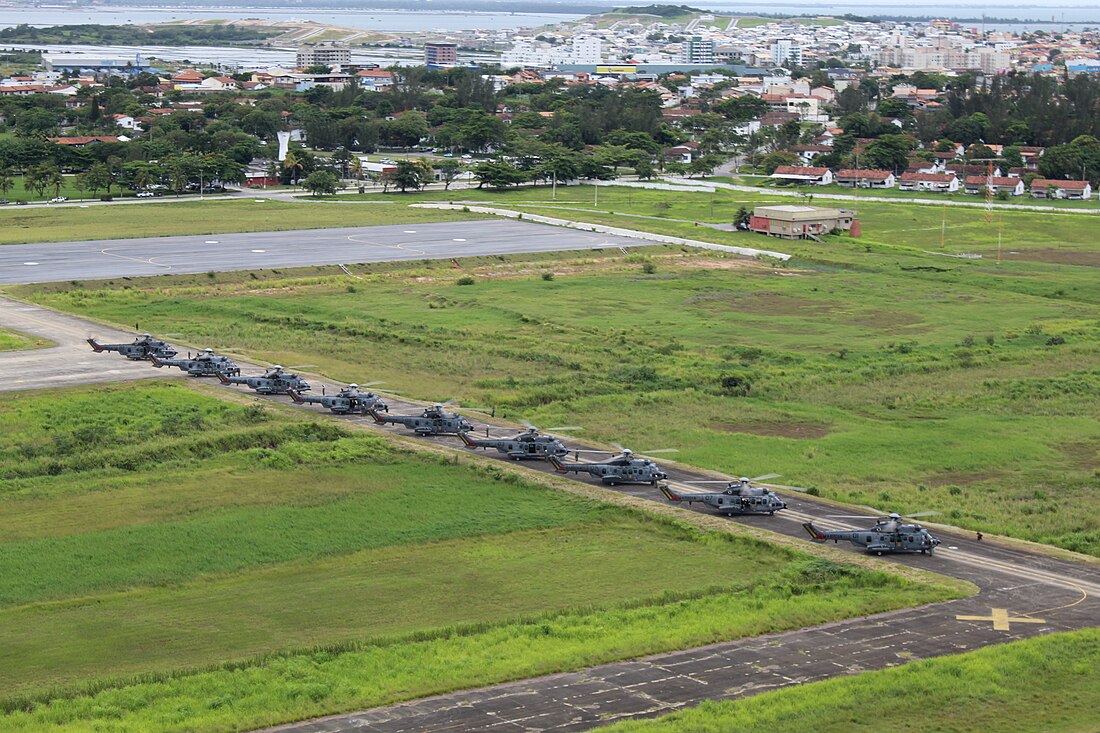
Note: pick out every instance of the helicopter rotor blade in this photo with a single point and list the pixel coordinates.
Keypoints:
(783, 487)
(709, 481)
(766, 476)
(527, 423)
(563, 428)
(922, 514)
(849, 516)
(370, 384)
(657, 450)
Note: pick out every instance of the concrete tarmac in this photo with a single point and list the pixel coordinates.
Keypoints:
(99, 259)
(1022, 594)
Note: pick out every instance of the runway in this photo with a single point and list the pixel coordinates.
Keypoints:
(100, 259)
(1022, 593)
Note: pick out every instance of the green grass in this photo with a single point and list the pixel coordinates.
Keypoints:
(880, 372)
(15, 341)
(160, 544)
(220, 216)
(1041, 685)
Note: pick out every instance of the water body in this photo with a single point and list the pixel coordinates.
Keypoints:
(1062, 14)
(372, 20)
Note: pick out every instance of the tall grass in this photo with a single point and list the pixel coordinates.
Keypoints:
(386, 669)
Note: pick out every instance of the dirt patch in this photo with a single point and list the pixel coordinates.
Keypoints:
(961, 478)
(761, 303)
(1055, 256)
(795, 430)
(1081, 456)
(884, 320)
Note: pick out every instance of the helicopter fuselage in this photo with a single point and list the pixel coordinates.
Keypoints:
(733, 501)
(884, 537)
(521, 447)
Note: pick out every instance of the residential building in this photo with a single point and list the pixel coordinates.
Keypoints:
(865, 178)
(801, 222)
(323, 56)
(978, 184)
(803, 174)
(698, 50)
(440, 54)
(1042, 188)
(785, 52)
(935, 182)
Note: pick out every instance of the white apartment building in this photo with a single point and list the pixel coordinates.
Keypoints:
(583, 50)
(786, 52)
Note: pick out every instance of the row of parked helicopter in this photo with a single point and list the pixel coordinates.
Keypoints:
(739, 497)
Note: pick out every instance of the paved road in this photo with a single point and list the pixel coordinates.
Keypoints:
(56, 261)
(71, 361)
(1038, 594)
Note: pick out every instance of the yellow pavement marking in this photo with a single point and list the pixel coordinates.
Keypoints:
(1001, 620)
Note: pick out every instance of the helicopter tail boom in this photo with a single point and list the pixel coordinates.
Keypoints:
(223, 379)
(96, 346)
(374, 414)
(815, 534)
(294, 395)
(462, 434)
(557, 464)
(668, 493)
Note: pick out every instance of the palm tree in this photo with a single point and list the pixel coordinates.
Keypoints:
(357, 168)
(34, 180)
(53, 179)
(7, 183)
(295, 164)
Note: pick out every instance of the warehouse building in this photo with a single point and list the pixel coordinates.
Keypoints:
(802, 222)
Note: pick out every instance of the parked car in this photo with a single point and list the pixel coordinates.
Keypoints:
(4, 201)
(58, 199)
(145, 194)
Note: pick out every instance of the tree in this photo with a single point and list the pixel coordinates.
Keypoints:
(35, 180)
(321, 182)
(407, 130)
(414, 174)
(7, 183)
(771, 161)
(498, 174)
(294, 164)
(644, 169)
(704, 165)
(449, 170)
(742, 109)
(80, 184)
(890, 152)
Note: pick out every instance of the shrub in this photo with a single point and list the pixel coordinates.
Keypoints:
(547, 276)
(736, 385)
(1055, 341)
(465, 280)
(648, 267)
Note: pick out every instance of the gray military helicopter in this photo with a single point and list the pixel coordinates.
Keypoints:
(739, 497)
(532, 443)
(205, 364)
(890, 534)
(347, 400)
(273, 381)
(433, 420)
(627, 467)
(143, 347)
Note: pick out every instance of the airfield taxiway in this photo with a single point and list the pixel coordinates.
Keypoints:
(99, 259)
(1022, 594)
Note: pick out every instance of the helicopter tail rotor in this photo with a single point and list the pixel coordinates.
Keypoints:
(95, 345)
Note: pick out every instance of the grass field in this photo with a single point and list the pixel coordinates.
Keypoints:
(163, 549)
(166, 218)
(16, 341)
(873, 370)
(1042, 685)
